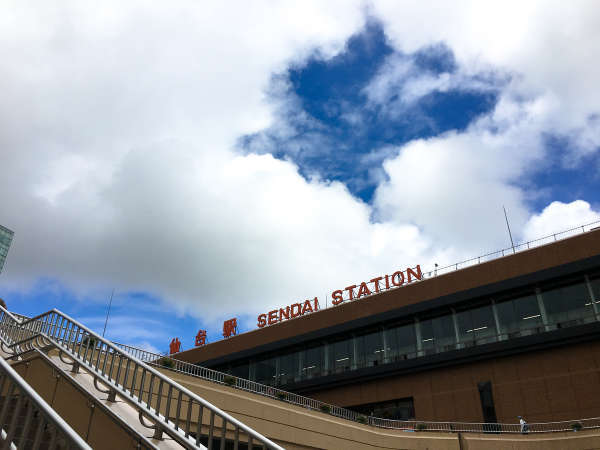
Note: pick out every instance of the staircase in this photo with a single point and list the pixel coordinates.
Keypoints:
(91, 394)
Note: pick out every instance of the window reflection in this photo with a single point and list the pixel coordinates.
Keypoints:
(341, 355)
(566, 304)
(476, 326)
(266, 371)
(401, 342)
(370, 350)
(595, 286)
(520, 316)
(312, 362)
(289, 368)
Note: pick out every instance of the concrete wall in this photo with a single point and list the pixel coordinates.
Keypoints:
(291, 426)
(543, 386)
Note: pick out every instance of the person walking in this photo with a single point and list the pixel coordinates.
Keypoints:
(524, 425)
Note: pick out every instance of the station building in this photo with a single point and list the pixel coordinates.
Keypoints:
(517, 335)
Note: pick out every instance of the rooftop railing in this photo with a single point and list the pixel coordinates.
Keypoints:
(514, 249)
(436, 271)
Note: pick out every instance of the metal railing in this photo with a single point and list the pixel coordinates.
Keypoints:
(28, 350)
(511, 250)
(27, 421)
(376, 287)
(171, 408)
(171, 363)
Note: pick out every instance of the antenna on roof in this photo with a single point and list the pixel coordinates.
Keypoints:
(108, 312)
(509, 233)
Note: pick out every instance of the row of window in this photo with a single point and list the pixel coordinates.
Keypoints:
(532, 311)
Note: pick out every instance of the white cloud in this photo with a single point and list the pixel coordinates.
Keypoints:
(454, 186)
(400, 77)
(117, 125)
(558, 216)
(550, 49)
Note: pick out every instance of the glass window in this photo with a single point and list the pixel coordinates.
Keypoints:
(519, 316)
(427, 337)
(312, 362)
(341, 355)
(369, 349)
(484, 325)
(289, 368)
(477, 325)
(266, 371)
(240, 371)
(595, 284)
(401, 342)
(401, 409)
(566, 303)
(443, 332)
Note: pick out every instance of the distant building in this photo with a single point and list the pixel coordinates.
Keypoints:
(5, 240)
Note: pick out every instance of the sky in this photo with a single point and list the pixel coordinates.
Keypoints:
(221, 159)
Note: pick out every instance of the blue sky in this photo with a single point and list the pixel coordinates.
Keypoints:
(317, 148)
(331, 92)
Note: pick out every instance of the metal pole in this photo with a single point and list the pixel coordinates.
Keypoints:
(508, 226)
(108, 312)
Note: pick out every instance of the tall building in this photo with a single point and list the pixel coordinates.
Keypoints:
(5, 240)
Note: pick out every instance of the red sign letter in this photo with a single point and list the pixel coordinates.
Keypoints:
(230, 327)
(174, 346)
(262, 320)
(201, 338)
(337, 297)
(284, 313)
(307, 307)
(400, 276)
(272, 317)
(376, 281)
(418, 275)
(350, 290)
(363, 290)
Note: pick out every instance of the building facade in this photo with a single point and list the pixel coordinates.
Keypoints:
(6, 237)
(519, 335)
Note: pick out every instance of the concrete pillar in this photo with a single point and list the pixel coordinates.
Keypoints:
(252, 374)
(497, 321)
(540, 300)
(353, 366)
(456, 332)
(592, 297)
(277, 370)
(385, 347)
(300, 365)
(419, 337)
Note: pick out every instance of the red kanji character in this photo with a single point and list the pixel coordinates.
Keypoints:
(230, 327)
(174, 346)
(201, 338)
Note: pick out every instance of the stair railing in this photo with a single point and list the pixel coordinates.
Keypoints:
(171, 408)
(27, 421)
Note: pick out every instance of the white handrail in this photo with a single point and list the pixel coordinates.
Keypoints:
(73, 337)
(61, 426)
